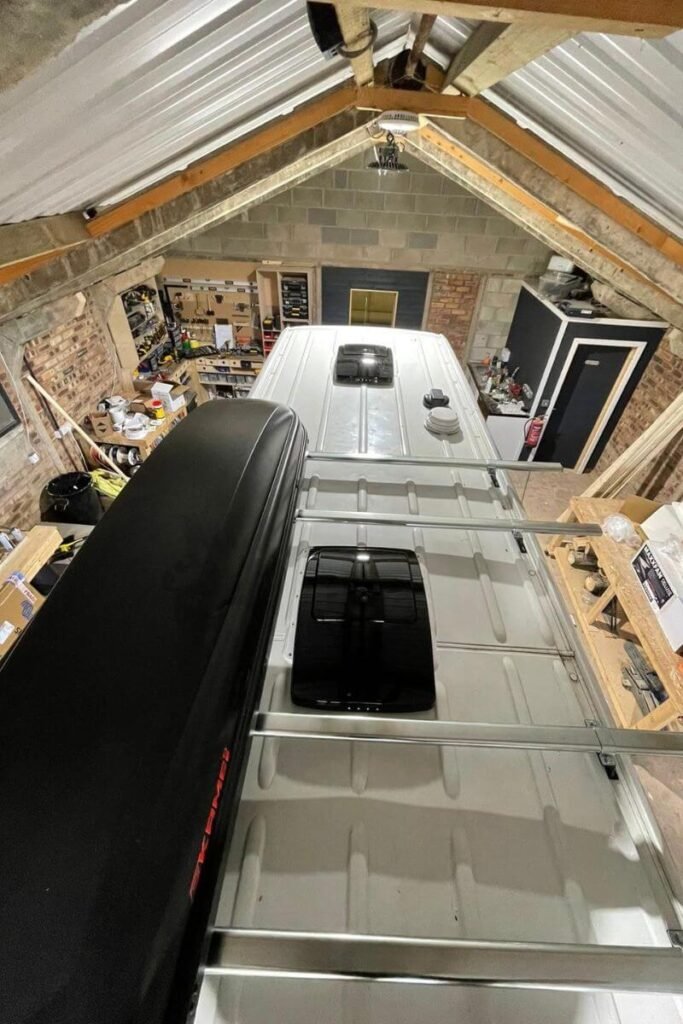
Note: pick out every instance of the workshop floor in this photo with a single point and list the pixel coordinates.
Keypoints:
(546, 496)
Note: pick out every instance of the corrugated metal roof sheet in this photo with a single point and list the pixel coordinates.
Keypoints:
(612, 104)
(153, 87)
(157, 85)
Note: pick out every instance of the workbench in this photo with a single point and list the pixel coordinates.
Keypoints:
(146, 444)
(31, 553)
(636, 618)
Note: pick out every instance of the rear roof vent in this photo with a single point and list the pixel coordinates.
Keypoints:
(363, 640)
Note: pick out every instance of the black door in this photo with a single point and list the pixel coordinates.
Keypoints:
(589, 381)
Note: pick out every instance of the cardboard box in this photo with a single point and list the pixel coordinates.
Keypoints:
(19, 602)
(171, 396)
(638, 509)
(665, 522)
(101, 423)
(662, 581)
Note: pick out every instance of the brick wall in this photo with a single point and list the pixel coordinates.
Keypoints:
(77, 365)
(351, 216)
(661, 383)
(452, 305)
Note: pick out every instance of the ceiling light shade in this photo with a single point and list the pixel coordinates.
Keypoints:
(387, 157)
(398, 122)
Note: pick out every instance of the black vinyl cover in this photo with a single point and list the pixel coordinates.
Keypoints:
(124, 722)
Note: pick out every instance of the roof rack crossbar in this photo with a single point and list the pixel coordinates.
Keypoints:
(389, 958)
(447, 523)
(379, 729)
(438, 460)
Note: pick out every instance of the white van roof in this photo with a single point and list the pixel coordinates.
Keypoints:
(428, 841)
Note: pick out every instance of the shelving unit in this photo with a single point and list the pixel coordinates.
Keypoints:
(146, 322)
(286, 298)
(138, 328)
(202, 304)
(228, 376)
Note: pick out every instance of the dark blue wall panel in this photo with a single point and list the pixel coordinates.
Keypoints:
(411, 286)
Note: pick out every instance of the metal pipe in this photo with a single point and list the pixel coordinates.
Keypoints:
(448, 523)
(378, 729)
(437, 460)
(390, 958)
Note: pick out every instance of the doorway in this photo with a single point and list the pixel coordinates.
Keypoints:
(372, 307)
(588, 390)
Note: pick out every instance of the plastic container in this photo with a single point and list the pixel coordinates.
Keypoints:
(557, 284)
(71, 498)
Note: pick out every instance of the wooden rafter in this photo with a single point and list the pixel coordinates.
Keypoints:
(583, 184)
(494, 51)
(13, 271)
(428, 103)
(273, 134)
(645, 18)
(451, 149)
(357, 30)
(419, 42)
(42, 236)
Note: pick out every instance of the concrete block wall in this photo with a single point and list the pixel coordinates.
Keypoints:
(351, 216)
(661, 383)
(77, 364)
(496, 309)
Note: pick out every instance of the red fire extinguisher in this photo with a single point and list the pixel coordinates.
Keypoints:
(532, 431)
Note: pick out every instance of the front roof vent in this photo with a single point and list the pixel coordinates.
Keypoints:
(364, 364)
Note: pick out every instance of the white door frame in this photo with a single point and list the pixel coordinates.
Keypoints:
(637, 347)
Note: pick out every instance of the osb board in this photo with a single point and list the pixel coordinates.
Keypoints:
(607, 651)
(31, 554)
(147, 443)
(615, 561)
(209, 270)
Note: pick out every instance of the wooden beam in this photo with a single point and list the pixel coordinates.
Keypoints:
(357, 31)
(419, 43)
(255, 181)
(658, 300)
(570, 207)
(645, 18)
(274, 134)
(13, 271)
(430, 104)
(494, 51)
(40, 236)
(531, 147)
(526, 143)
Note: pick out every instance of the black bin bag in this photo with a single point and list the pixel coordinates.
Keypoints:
(124, 720)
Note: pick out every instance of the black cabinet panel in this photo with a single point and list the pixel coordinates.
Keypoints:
(533, 332)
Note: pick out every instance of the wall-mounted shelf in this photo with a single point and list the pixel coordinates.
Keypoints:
(286, 298)
(128, 331)
(201, 304)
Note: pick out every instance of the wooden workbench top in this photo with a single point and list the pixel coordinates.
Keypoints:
(615, 561)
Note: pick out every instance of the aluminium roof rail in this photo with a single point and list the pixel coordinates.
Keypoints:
(589, 738)
(450, 523)
(371, 458)
(391, 958)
